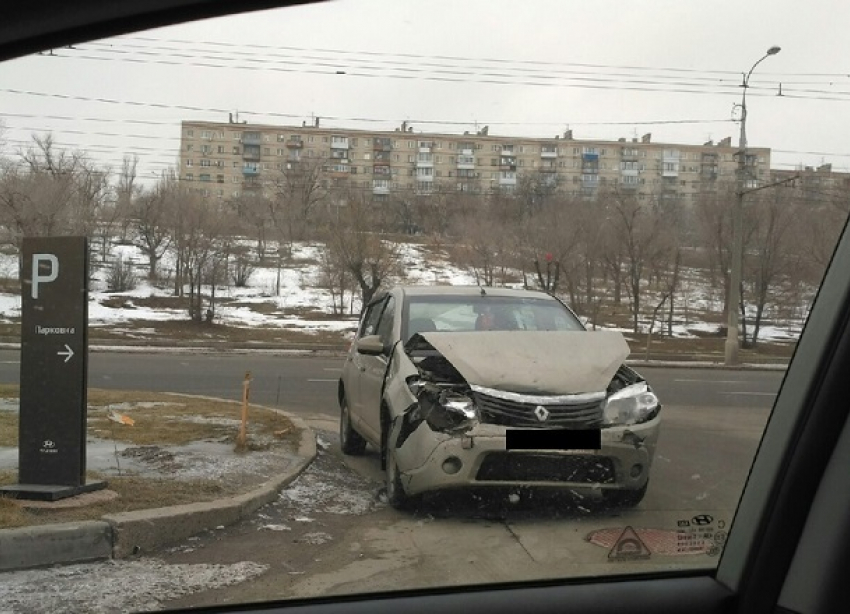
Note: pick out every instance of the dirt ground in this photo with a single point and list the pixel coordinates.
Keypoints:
(178, 449)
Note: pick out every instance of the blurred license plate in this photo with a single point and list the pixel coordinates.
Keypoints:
(553, 439)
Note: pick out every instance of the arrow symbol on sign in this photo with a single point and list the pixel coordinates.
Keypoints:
(67, 354)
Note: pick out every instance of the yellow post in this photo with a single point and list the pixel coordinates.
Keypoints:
(246, 389)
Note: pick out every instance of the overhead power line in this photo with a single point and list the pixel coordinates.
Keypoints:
(456, 58)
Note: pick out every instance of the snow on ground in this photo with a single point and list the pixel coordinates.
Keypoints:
(115, 586)
(300, 280)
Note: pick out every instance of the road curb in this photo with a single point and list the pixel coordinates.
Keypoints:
(122, 535)
(55, 544)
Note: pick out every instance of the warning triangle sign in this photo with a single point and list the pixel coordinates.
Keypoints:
(629, 547)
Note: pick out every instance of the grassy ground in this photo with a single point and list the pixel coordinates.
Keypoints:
(161, 420)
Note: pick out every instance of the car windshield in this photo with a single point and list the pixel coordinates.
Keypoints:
(217, 238)
(460, 314)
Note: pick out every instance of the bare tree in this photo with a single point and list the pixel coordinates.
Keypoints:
(126, 191)
(152, 212)
(254, 214)
(356, 240)
(769, 260)
(299, 190)
(205, 228)
(639, 225)
(714, 230)
(46, 191)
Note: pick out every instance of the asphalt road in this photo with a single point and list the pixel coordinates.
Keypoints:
(331, 533)
(306, 384)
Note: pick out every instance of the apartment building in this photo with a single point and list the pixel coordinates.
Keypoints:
(226, 160)
(819, 184)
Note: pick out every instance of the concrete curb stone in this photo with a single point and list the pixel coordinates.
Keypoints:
(59, 544)
(123, 535)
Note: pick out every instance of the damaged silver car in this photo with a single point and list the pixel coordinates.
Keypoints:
(461, 387)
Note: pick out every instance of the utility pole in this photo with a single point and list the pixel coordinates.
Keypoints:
(737, 264)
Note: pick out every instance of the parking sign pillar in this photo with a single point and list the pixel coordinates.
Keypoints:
(54, 365)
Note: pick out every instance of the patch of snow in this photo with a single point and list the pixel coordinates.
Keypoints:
(316, 539)
(115, 586)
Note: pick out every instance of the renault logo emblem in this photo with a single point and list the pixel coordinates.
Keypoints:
(542, 413)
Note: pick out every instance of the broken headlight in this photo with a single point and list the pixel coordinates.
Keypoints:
(444, 409)
(630, 405)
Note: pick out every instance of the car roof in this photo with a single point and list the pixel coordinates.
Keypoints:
(471, 291)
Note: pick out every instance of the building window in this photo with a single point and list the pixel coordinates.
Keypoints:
(190, 177)
(189, 147)
(190, 133)
(189, 163)
(267, 151)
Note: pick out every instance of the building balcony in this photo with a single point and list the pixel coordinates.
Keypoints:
(629, 172)
(590, 157)
(466, 166)
(424, 164)
(295, 143)
(549, 152)
(670, 172)
(252, 138)
(382, 145)
(339, 142)
(380, 188)
(250, 171)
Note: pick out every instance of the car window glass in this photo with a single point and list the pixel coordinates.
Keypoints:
(248, 186)
(385, 326)
(371, 319)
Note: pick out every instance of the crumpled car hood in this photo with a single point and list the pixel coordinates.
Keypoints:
(534, 362)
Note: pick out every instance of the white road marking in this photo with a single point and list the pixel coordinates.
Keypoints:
(757, 394)
(323, 380)
(712, 381)
(333, 368)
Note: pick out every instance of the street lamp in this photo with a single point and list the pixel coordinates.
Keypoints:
(736, 272)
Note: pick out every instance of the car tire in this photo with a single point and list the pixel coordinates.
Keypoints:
(396, 495)
(625, 498)
(351, 442)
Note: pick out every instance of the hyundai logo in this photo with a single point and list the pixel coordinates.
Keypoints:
(49, 444)
(542, 413)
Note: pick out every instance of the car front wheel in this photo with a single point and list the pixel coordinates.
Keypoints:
(396, 496)
(351, 442)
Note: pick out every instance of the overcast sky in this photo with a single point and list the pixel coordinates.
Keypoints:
(605, 69)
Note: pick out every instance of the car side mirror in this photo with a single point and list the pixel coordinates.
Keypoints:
(371, 345)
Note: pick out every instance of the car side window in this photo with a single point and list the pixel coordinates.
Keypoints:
(370, 320)
(385, 325)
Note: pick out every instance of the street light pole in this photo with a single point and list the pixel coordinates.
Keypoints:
(736, 272)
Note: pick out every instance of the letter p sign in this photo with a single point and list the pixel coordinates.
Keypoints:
(43, 277)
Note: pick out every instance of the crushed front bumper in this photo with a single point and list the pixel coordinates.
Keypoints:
(429, 461)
